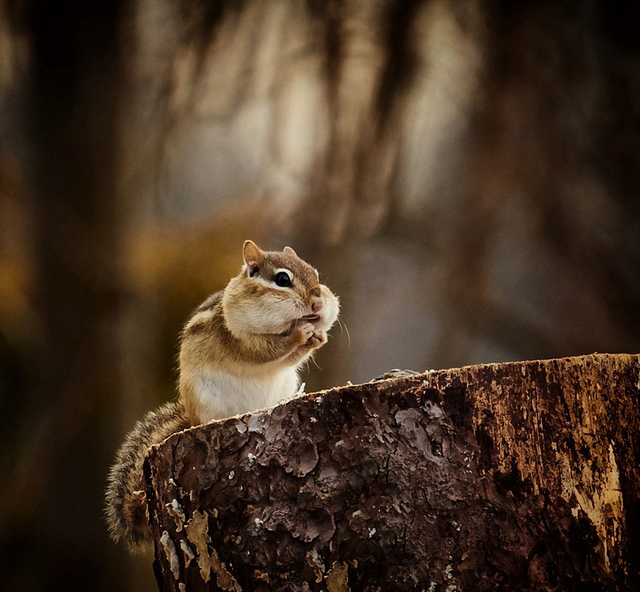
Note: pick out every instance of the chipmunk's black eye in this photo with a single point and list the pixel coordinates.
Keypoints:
(282, 279)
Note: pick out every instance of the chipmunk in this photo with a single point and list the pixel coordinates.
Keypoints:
(240, 351)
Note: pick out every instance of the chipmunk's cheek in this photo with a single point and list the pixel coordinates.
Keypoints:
(324, 320)
(328, 315)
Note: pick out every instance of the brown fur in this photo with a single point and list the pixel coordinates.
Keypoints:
(126, 503)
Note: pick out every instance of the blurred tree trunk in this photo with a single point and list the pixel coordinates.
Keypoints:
(72, 116)
(513, 477)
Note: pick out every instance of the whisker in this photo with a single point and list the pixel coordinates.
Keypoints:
(344, 329)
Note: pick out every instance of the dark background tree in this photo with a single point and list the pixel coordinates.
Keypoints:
(464, 175)
(53, 535)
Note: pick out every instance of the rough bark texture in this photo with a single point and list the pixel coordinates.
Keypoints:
(518, 476)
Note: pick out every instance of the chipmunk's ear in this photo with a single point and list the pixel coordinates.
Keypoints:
(289, 251)
(253, 255)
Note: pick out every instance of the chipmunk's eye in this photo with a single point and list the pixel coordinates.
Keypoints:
(282, 279)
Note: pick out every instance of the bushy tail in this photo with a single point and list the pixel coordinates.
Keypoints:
(126, 503)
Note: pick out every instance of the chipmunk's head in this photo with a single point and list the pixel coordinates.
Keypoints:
(274, 290)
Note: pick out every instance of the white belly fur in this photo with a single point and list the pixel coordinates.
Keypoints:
(221, 394)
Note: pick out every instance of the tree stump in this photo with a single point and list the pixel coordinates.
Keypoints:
(516, 476)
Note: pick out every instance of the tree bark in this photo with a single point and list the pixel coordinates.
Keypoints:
(516, 476)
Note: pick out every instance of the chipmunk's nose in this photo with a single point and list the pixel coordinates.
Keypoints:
(316, 305)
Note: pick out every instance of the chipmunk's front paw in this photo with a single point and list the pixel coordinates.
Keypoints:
(304, 333)
(318, 339)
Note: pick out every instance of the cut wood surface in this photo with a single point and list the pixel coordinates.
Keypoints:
(515, 476)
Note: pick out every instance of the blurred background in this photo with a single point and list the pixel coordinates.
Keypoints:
(463, 173)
